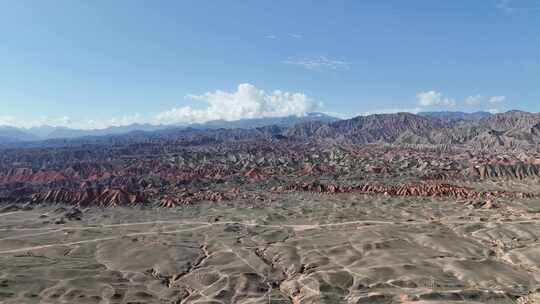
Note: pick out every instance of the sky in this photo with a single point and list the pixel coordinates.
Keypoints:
(94, 64)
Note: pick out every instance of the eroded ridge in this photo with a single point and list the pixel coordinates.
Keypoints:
(404, 189)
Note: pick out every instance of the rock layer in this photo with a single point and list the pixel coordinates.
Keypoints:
(405, 189)
(105, 197)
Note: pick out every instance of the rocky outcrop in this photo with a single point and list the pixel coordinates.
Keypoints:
(31, 176)
(312, 187)
(405, 189)
(506, 171)
(254, 174)
(186, 197)
(106, 197)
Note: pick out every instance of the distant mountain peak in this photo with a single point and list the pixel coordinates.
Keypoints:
(12, 134)
(456, 116)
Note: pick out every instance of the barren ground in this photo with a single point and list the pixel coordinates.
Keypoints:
(291, 248)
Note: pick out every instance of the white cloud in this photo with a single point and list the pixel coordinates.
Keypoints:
(295, 36)
(6, 120)
(497, 99)
(319, 63)
(270, 37)
(434, 98)
(339, 115)
(43, 120)
(113, 122)
(474, 99)
(479, 99)
(247, 102)
(67, 122)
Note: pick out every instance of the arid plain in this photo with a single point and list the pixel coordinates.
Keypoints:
(293, 248)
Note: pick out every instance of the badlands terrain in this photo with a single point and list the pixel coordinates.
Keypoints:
(395, 208)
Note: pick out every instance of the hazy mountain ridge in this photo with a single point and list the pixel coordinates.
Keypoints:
(510, 130)
(451, 116)
(14, 135)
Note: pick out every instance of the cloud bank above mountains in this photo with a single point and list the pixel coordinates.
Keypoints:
(427, 101)
(247, 102)
(434, 98)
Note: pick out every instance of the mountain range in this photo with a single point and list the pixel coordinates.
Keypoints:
(10, 134)
(509, 130)
(515, 130)
(449, 116)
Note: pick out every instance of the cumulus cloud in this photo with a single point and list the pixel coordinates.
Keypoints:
(319, 63)
(247, 101)
(113, 122)
(68, 122)
(497, 99)
(425, 100)
(479, 99)
(6, 120)
(474, 99)
(434, 98)
(339, 115)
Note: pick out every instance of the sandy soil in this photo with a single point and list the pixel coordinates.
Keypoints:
(293, 248)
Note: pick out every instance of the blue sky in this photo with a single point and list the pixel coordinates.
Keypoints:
(98, 63)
